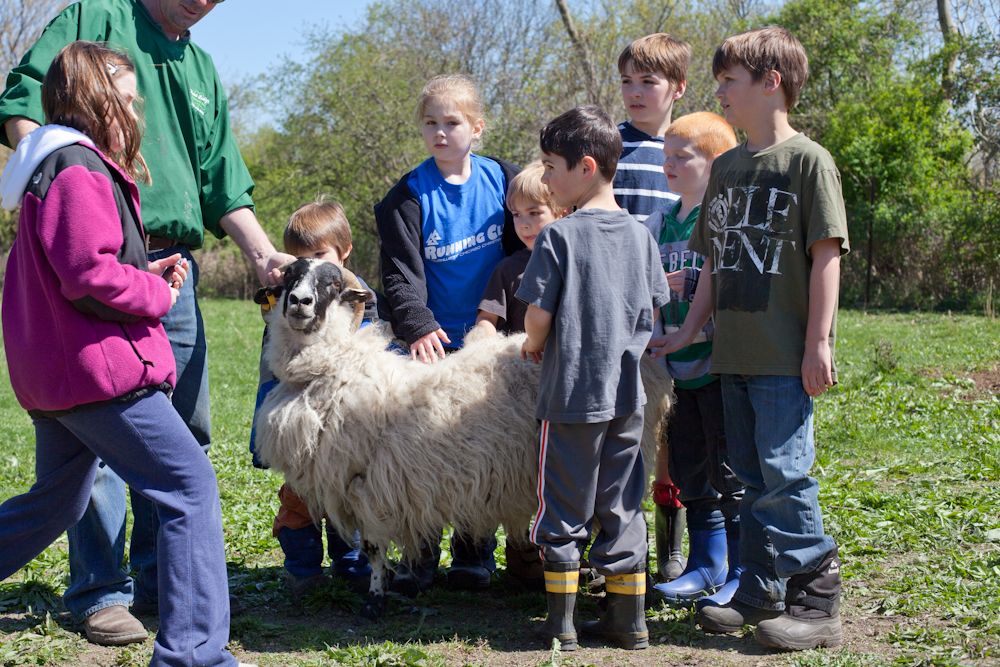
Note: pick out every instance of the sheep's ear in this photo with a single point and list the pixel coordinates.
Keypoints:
(355, 295)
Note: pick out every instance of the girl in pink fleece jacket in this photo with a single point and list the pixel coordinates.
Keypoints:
(88, 357)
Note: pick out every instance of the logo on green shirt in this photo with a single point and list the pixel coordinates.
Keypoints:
(199, 101)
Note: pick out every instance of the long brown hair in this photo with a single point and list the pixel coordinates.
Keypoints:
(79, 91)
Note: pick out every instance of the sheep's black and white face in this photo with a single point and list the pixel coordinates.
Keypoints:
(311, 285)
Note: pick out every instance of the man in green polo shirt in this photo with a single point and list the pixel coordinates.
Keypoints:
(199, 182)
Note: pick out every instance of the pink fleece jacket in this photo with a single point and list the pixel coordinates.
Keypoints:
(66, 249)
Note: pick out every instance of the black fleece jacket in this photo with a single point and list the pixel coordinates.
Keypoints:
(398, 219)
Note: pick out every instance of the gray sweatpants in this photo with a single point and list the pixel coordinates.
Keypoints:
(589, 471)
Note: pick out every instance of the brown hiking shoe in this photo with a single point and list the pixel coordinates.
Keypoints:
(799, 634)
(114, 626)
(731, 617)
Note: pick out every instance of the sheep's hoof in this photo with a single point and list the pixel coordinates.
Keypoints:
(374, 607)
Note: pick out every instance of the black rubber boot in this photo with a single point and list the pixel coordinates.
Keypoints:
(623, 621)
(669, 525)
(562, 580)
(415, 576)
(812, 611)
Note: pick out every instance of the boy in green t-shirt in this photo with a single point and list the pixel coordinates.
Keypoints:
(772, 229)
(698, 463)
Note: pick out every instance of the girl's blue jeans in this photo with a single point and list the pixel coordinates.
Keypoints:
(147, 444)
(98, 577)
(769, 433)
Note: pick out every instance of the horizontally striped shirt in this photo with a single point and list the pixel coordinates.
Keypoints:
(640, 186)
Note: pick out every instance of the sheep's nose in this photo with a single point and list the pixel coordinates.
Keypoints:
(303, 301)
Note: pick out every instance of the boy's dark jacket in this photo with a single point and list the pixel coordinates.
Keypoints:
(399, 220)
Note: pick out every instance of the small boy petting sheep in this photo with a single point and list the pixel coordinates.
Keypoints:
(317, 230)
(592, 286)
(532, 208)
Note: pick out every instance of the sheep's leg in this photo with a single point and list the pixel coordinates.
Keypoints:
(374, 605)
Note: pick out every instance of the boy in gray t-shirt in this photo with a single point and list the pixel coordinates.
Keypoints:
(592, 286)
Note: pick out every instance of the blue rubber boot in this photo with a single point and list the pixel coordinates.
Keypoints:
(706, 566)
(725, 594)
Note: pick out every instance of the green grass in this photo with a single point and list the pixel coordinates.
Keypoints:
(908, 457)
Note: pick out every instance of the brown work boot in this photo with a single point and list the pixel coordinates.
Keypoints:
(731, 617)
(524, 563)
(812, 611)
(114, 626)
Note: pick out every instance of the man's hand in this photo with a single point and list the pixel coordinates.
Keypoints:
(428, 348)
(17, 128)
(272, 272)
(817, 368)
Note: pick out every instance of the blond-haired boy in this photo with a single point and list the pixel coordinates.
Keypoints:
(773, 228)
(532, 208)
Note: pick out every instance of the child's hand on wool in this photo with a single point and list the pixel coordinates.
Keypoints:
(532, 350)
(428, 348)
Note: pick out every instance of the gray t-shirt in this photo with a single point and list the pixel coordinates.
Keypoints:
(762, 213)
(598, 272)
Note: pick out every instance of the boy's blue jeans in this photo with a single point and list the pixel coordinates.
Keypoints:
(149, 446)
(98, 577)
(769, 433)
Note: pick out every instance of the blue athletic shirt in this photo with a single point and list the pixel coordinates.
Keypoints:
(461, 230)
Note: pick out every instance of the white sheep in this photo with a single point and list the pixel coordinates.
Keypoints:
(395, 448)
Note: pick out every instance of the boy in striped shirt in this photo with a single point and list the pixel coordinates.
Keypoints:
(653, 76)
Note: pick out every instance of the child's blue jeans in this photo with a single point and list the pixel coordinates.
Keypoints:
(769, 433)
(303, 549)
(148, 445)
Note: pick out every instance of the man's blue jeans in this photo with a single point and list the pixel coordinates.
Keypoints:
(151, 448)
(98, 577)
(769, 432)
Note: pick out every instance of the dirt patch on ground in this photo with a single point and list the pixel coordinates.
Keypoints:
(972, 386)
(987, 382)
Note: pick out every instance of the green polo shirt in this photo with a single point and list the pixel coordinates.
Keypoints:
(197, 171)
